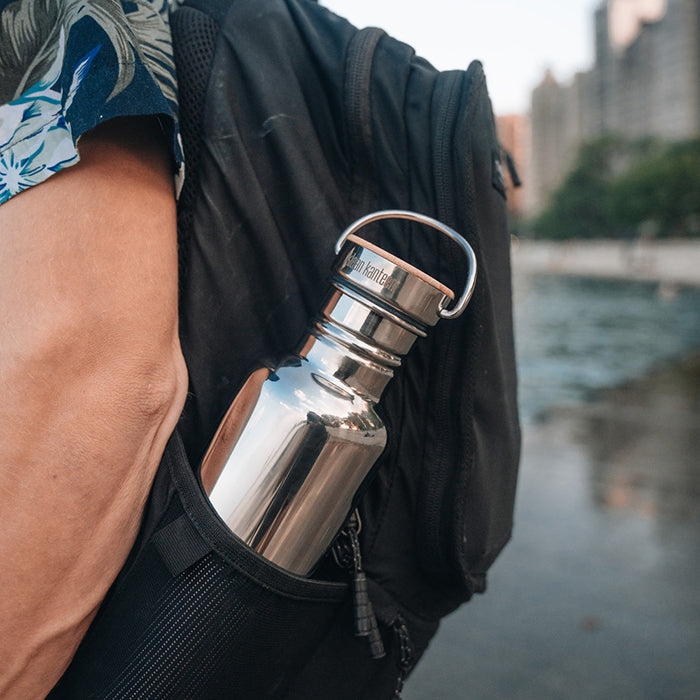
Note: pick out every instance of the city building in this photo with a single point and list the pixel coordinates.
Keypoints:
(645, 81)
(557, 113)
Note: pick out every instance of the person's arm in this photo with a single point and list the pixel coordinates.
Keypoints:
(93, 382)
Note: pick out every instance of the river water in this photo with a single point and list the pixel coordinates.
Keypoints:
(597, 594)
(576, 335)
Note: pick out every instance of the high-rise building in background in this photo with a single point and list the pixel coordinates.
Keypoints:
(645, 81)
(556, 117)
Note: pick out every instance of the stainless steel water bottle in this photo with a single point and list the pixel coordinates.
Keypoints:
(296, 443)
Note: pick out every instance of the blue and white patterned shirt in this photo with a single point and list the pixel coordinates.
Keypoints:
(68, 65)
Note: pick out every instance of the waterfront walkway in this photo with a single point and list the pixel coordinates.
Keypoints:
(665, 261)
(597, 595)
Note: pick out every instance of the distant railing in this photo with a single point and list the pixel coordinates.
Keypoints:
(664, 261)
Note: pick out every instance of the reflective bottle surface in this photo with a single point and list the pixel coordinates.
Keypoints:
(297, 443)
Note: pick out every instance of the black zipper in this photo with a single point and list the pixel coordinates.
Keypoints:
(346, 552)
(406, 655)
(436, 508)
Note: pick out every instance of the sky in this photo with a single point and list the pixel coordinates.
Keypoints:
(516, 40)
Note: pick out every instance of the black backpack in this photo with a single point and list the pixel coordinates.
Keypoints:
(295, 123)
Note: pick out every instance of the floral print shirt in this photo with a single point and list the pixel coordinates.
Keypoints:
(68, 65)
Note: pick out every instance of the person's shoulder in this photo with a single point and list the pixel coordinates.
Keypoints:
(66, 67)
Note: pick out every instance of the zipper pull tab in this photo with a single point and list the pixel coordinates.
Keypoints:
(365, 619)
(512, 169)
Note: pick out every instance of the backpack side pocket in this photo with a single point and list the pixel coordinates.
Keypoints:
(197, 614)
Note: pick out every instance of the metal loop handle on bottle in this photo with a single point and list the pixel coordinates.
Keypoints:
(462, 302)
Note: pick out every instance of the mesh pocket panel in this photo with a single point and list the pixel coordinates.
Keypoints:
(186, 638)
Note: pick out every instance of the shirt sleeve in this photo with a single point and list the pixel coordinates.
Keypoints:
(68, 65)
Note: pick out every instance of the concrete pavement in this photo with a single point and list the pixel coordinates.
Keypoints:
(598, 595)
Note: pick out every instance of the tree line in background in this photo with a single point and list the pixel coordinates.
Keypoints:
(622, 188)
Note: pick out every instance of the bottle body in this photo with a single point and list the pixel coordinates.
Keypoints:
(284, 480)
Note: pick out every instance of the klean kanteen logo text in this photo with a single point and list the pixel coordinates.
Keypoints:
(371, 272)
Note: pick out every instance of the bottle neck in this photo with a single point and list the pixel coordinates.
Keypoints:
(358, 342)
(343, 369)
